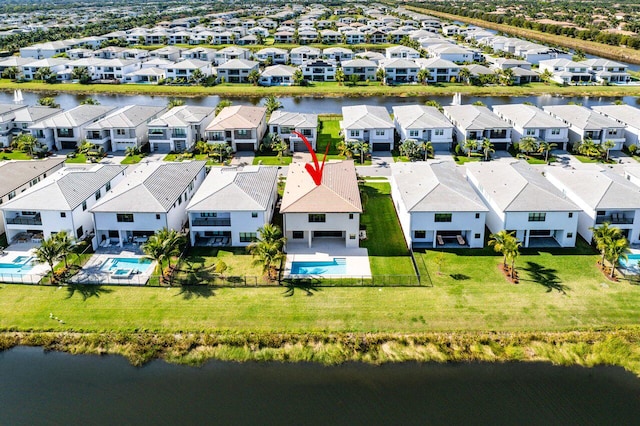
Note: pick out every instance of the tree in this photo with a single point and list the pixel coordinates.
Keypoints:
(479, 103)
(361, 148)
(528, 144)
(608, 145)
(298, 77)
(546, 147)
(546, 76)
(616, 250)
(197, 76)
(253, 77)
(590, 148)
(90, 101)
(268, 248)
(339, 76)
(427, 149)
(49, 102)
(410, 149)
(48, 252)
(346, 148)
(434, 104)
(45, 74)
(381, 74)
(223, 104)
(603, 236)
(222, 150)
(173, 102)
(353, 80)
(578, 56)
(500, 241)
(511, 252)
(153, 249)
(65, 245)
(506, 77)
(164, 244)
(487, 148)
(11, 73)
(85, 146)
(464, 75)
(423, 76)
(26, 142)
(272, 103)
(130, 151)
(81, 74)
(277, 145)
(470, 145)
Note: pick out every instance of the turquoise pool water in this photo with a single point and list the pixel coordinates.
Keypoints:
(113, 264)
(20, 265)
(631, 264)
(336, 266)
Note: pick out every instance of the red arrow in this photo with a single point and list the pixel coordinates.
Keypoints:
(316, 170)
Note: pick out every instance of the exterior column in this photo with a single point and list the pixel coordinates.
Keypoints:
(120, 238)
(310, 238)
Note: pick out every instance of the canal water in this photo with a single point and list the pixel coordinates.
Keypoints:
(39, 388)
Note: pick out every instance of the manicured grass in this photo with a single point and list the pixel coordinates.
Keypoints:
(79, 158)
(329, 133)
(461, 159)
(272, 160)
(180, 157)
(585, 159)
(199, 267)
(388, 253)
(14, 155)
(132, 159)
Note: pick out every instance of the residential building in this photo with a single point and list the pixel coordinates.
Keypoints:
(179, 128)
(302, 54)
(370, 124)
(236, 70)
(478, 123)
(24, 118)
(606, 71)
(399, 70)
(29, 71)
(7, 117)
(440, 70)
(60, 202)
(277, 75)
(530, 121)
(319, 70)
(338, 54)
(626, 115)
(232, 52)
(565, 71)
(522, 201)
(585, 123)
(231, 205)
(283, 123)
(436, 206)
(423, 123)
(242, 126)
(152, 197)
(185, 69)
(603, 196)
(452, 53)
(401, 52)
(363, 68)
(273, 54)
(329, 211)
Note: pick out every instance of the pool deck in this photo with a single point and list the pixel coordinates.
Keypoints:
(91, 273)
(357, 259)
(35, 274)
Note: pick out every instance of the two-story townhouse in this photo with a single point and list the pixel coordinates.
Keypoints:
(319, 70)
(626, 115)
(179, 128)
(15, 62)
(453, 53)
(60, 202)
(55, 65)
(231, 204)
(603, 197)
(401, 52)
(606, 71)
(242, 126)
(200, 53)
(338, 54)
(285, 36)
(478, 123)
(585, 123)
(329, 211)
(354, 37)
(7, 117)
(18, 176)
(185, 69)
(307, 35)
(399, 70)
(229, 53)
(436, 206)
(302, 54)
(440, 70)
(170, 53)
(363, 68)
(153, 196)
(23, 119)
(423, 123)
(368, 123)
(46, 50)
(236, 70)
(330, 36)
(565, 71)
(529, 121)
(115, 69)
(284, 123)
(66, 130)
(522, 201)
(277, 75)
(273, 54)
(124, 128)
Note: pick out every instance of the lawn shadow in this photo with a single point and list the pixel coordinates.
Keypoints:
(545, 277)
(189, 292)
(460, 277)
(86, 290)
(308, 285)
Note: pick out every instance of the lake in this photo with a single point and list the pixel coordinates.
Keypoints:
(41, 388)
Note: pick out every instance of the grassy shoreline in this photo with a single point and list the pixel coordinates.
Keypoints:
(320, 90)
(587, 348)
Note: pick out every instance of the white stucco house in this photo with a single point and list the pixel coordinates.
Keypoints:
(329, 211)
(60, 202)
(368, 123)
(585, 123)
(179, 128)
(231, 204)
(241, 126)
(531, 121)
(477, 123)
(436, 206)
(282, 123)
(423, 123)
(153, 196)
(520, 199)
(625, 115)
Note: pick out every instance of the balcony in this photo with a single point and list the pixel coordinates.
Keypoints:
(211, 221)
(246, 135)
(25, 220)
(615, 219)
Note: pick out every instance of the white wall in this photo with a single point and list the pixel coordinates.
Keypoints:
(334, 222)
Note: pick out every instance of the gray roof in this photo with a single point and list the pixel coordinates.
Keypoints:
(398, 63)
(240, 64)
(599, 189)
(420, 117)
(435, 187)
(14, 174)
(33, 114)
(9, 108)
(278, 70)
(528, 116)
(66, 189)
(473, 117)
(293, 119)
(623, 113)
(150, 188)
(582, 117)
(249, 189)
(182, 116)
(76, 117)
(518, 187)
(364, 63)
(365, 117)
(129, 116)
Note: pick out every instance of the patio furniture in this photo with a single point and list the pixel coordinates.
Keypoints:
(461, 240)
(440, 240)
(363, 235)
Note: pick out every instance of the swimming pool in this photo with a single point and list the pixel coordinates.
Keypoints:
(335, 266)
(20, 265)
(126, 263)
(631, 264)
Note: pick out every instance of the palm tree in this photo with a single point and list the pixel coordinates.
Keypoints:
(427, 149)
(410, 148)
(500, 241)
(277, 145)
(353, 80)
(268, 248)
(603, 235)
(617, 249)
(172, 240)
(197, 76)
(339, 76)
(173, 102)
(44, 74)
(49, 102)
(346, 148)
(546, 147)
(48, 252)
(506, 77)
(381, 74)
(154, 250)
(82, 74)
(546, 76)
(423, 76)
(608, 145)
(130, 151)
(528, 144)
(26, 142)
(512, 251)
(590, 148)
(223, 104)
(90, 101)
(361, 148)
(11, 73)
(65, 245)
(470, 145)
(203, 147)
(272, 103)
(487, 148)
(464, 75)
(298, 77)
(253, 77)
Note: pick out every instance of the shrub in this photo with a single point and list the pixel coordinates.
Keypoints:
(633, 149)
(458, 150)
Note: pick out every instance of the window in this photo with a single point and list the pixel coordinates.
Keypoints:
(476, 236)
(12, 194)
(443, 217)
(600, 213)
(537, 217)
(307, 132)
(108, 186)
(477, 215)
(157, 217)
(569, 234)
(120, 132)
(317, 217)
(63, 214)
(570, 214)
(209, 214)
(438, 132)
(419, 234)
(352, 236)
(247, 237)
(254, 214)
(27, 213)
(612, 132)
(531, 132)
(381, 132)
(414, 133)
(297, 235)
(124, 217)
(355, 133)
(555, 131)
(243, 132)
(84, 205)
(98, 195)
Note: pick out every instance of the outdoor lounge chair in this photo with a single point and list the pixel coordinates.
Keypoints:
(440, 240)
(461, 240)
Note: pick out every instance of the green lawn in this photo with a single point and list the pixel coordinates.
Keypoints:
(14, 155)
(272, 160)
(198, 266)
(461, 159)
(585, 159)
(388, 253)
(181, 157)
(329, 133)
(78, 158)
(132, 159)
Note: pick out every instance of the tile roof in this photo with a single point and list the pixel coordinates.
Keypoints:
(127, 117)
(14, 174)
(182, 116)
(582, 117)
(473, 117)
(420, 117)
(527, 116)
(238, 117)
(365, 117)
(293, 119)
